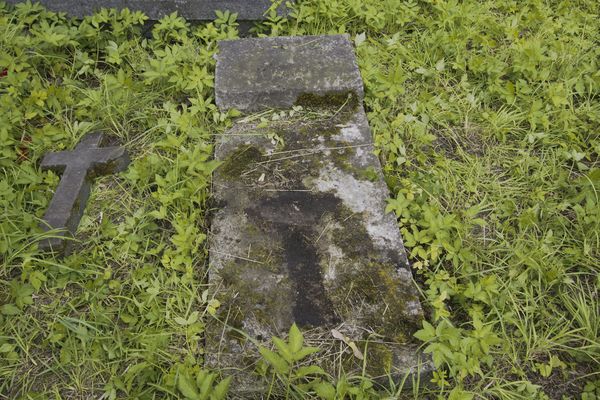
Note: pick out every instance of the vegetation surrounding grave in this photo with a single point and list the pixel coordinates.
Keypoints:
(485, 113)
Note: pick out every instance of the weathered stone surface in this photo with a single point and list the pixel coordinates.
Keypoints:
(199, 10)
(78, 168)
(301, 236)
(258, 73)
(300, 233)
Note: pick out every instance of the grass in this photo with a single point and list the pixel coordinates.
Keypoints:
(485, 115)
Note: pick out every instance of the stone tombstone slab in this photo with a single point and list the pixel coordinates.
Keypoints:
(254, 74)
(300, 233)
(78, 168)
(198, 10)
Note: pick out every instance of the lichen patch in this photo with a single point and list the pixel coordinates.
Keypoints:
(349, 133)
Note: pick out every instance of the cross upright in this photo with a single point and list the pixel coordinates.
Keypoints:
(78, 168)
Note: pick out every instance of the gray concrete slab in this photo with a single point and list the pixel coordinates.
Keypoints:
(196, 10)
(78, 168)
(258, 73)
(300, 234)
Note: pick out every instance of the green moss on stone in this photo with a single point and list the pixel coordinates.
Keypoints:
(376, 285)
(238, 161)
(352, 237)
(380, 358)
(367, 174)
(263, 305)
(348, 99)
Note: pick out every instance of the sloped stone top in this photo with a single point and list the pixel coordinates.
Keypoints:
(258, 73)
(200, 10)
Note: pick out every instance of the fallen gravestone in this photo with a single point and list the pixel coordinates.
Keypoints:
(300, 234)
(194, 10)
(78, 169)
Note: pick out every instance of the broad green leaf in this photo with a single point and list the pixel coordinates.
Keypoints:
(296, 339)
(283, 349)
(278, 363)
(220, 391)
(324, 390)
(309, 370)
(180, 320)
(10, 309)
(6, 347)
(458, 394)
(427, 333)
(187, 387)
(304, 352)
(206, 386)
(201, 376)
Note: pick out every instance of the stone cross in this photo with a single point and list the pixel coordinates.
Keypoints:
(78, 168)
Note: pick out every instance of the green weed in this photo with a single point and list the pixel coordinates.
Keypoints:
(484, 113)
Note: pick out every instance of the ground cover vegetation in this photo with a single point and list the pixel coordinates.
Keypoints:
(485, 115)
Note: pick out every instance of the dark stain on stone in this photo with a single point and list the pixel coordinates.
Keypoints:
(302, 208)
(239, 161)
(312, 306)
(293, 217)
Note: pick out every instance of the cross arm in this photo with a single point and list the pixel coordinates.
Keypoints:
(56, 162)
(109, 160)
